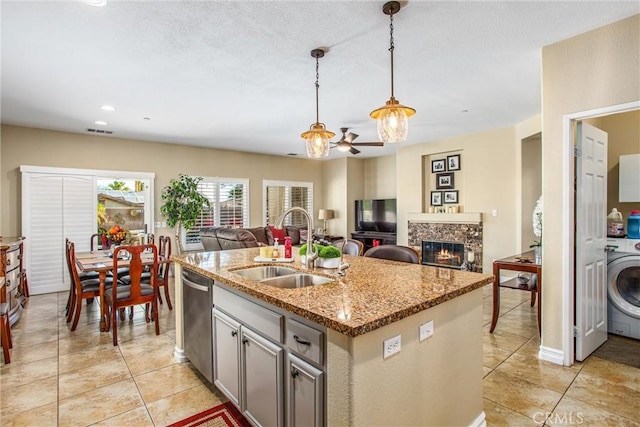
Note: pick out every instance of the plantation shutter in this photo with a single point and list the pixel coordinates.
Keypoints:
(281, 195)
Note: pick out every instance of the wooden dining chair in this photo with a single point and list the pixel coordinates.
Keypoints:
(82, 276)
(82, 289)
(394, 253)
(162, 280)
(136, 292)
(5, 327)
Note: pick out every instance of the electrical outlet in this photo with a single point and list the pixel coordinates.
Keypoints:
(158, 224)
(494, 212)
(426, 330)
(391, 346)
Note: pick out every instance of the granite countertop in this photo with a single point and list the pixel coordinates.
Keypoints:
(373, 294)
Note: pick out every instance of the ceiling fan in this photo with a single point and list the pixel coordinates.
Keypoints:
(346, 142)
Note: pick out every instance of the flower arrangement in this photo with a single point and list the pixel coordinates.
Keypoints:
(117, 234)
(537, 223)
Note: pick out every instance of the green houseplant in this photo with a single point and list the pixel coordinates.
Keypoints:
(182, 205)
(328, 256)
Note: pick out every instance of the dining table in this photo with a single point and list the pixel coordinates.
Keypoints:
(101, 262)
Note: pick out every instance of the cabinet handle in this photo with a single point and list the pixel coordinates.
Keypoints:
(8, 261)
(234, 333)
(301, 341)
(294, 373)
(245, 341)
(8, 282)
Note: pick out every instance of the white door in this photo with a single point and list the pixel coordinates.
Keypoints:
(591, 239)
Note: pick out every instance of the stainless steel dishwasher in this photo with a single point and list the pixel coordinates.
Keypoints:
(198, 336)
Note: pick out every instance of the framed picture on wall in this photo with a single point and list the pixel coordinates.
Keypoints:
(444, 181)
(436, 198)
(453, 162)
(438, 165)
(451, 196)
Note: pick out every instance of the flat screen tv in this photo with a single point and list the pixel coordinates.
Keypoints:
(376, 215)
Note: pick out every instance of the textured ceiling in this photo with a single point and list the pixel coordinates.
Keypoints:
(238, 75)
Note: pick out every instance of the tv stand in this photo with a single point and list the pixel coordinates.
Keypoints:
(367, 237)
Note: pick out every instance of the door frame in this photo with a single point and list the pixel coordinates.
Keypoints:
(568, 220)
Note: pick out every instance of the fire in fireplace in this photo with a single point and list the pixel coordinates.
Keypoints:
(442, 254)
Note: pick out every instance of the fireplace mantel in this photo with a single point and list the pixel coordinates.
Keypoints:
(446, 218)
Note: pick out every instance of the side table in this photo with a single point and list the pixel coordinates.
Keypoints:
(525, 262)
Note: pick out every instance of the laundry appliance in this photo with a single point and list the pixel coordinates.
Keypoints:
(623, 287)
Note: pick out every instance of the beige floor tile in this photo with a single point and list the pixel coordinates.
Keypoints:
(519, 395)
(540, 372)
(620, 349)
(17, 373)
(575, 412)
(504, 340)
(614, 372)
(486, 371)
(497, 416)
(29, 396)
(492, 356)
(42, 416)
(93, 377)
(161, 383)
(138, 417)
(148, 353)
(90, 357)
(34, 352)
(87, 341)
(181, 405)
(26, 338)
(99, 404)
(606, 395)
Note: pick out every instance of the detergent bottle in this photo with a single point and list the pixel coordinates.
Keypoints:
(615, 224)
(633, 225)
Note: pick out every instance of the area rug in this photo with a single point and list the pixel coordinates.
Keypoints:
(224, 415)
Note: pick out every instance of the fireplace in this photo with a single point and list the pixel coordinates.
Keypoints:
(442, 254)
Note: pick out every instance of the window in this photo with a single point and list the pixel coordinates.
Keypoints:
(229, 199)
(281, 195)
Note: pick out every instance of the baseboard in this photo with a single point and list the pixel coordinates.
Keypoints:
(480, 421)
(179, 356)
(551, 355)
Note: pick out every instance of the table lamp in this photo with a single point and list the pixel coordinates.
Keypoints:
(325, 214)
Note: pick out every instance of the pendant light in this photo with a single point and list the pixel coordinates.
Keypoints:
(392, 117)
(317, 136)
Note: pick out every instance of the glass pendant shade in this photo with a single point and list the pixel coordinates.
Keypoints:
(317, 141)
(393, 125)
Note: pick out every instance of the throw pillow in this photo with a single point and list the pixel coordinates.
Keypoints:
(278, 234)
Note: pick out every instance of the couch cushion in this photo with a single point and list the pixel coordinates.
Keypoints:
(209, 239)
(260, 233)
(294, 233)
(235, 238)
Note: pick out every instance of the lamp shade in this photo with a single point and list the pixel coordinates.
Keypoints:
(325, 214)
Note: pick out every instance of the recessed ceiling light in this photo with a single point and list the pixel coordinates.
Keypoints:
(98, 3)
(100, 122)
(146, 118)
(107, 108)
(464, 111)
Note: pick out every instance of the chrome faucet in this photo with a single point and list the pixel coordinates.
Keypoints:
(343, 265)
(311, 254)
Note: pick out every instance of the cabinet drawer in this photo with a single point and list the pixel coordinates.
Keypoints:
(13, 279)
(305, 341)
(13, 258)
(249, 313)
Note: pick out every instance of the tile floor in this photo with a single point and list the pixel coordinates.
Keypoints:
(63, 378)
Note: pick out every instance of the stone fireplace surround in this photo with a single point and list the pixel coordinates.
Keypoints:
(463, 228)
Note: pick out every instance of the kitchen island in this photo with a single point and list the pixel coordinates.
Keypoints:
(436, 381)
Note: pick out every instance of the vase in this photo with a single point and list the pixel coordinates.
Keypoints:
(538, 254)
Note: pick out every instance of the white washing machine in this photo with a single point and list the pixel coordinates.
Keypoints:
(623, 288)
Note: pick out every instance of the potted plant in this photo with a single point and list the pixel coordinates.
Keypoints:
(328, 256)
(182, 205)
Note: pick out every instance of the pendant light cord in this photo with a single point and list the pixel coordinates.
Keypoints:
(391, 48)
(317, 87)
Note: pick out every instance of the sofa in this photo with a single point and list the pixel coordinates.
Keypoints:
(221, 238)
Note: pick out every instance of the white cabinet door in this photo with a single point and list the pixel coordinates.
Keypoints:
(262, 363)
(305, 391)
(226, 356)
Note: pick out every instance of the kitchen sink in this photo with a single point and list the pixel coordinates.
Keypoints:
(264, 272)
(298, 280)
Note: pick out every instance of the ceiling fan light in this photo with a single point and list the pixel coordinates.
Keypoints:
(343, 146)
